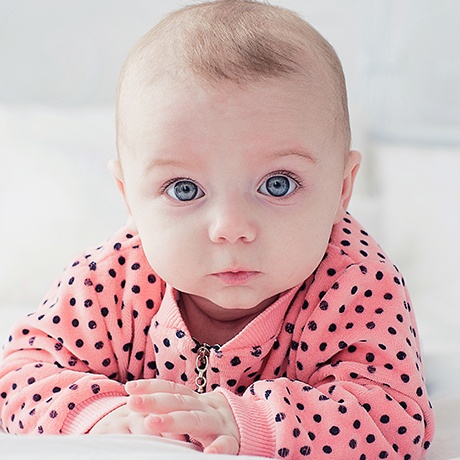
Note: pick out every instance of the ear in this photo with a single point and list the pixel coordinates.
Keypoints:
(114, 166)
(116, 170)
(350, 171)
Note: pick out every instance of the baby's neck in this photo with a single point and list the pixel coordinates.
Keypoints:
(215, 329)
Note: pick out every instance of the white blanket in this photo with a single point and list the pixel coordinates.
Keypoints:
(110, 447)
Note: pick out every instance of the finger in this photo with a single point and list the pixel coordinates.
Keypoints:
(197, 424)
(223, 445)
(149, 386)
(163, 403)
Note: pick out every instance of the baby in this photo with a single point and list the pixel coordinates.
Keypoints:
(241, 308)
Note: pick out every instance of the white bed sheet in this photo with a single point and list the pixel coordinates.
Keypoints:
(104, 447)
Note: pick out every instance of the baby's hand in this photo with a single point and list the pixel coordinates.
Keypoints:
(126, 421)
(121, 420)
(177, 410)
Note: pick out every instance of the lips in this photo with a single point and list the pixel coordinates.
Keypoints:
(238, 277)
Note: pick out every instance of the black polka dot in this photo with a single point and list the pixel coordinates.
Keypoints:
(405, 378)
(284, 452)
(280, 417)
(334, 430)
(370, 438)
(95, 388)
(343, 409)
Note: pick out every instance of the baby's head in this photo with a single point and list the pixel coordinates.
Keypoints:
(233, 139)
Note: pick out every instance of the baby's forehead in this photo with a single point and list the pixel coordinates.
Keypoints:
(234, 42)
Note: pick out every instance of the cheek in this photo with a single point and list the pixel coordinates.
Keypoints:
(306, 236)
(168, 249)
(305, 246)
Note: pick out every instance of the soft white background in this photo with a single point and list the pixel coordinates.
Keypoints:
(59, 62)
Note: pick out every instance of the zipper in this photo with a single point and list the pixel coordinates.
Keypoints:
(202, 362)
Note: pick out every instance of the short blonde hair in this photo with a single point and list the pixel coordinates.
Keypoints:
(237, 41)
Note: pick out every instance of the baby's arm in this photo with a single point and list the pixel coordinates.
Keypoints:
(50, 387)
(175, 409)
(64, 367)
(352, 381)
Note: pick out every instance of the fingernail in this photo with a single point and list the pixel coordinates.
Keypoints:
(131, 385)
(155, 418)
(137, 400)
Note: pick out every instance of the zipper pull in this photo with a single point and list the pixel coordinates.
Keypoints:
(202, 362)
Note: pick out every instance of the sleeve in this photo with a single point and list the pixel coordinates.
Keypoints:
(64, 366)
(353, 385)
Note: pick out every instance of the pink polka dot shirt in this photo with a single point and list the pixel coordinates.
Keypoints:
(331, 370)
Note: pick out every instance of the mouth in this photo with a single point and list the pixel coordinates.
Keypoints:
(238, 277)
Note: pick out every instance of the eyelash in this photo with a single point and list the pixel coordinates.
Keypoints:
(289, 174)
(282, 172)
(168, 184)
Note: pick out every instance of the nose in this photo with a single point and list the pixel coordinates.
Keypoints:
(232, 220)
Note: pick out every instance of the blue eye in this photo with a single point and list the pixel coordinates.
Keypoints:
(184, 190)
(278, 186)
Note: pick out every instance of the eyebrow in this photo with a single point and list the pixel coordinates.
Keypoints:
(161, 162)
(296, 151)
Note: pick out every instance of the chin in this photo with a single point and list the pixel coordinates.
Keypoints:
(244, 304)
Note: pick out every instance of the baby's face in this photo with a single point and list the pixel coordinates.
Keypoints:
(234, 191)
